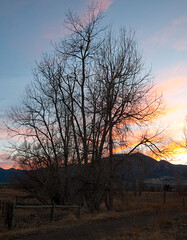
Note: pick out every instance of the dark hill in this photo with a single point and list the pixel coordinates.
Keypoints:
(9, 175)
(129, 168)
(138, 165)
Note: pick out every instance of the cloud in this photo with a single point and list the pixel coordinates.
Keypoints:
(181, 45)
(5, 162)
(173, 86)
(7, 165)
(55, 30)
(4, 156)
(98, 6)
(3, 132)
(173, 35)
(180, 20)
(172, 82)
(103, 4)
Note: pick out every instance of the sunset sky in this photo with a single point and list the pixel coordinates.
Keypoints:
(28, 26)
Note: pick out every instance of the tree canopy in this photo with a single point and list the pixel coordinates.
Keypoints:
(86, 98)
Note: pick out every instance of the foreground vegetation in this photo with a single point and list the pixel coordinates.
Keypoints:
(131, 211)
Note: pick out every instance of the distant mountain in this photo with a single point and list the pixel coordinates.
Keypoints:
(138, 165)
(130, 169)
(9, 175)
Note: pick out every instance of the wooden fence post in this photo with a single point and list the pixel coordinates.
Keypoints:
(52, 212)
(13, 214)
(10, 212)
(3, 209)
(164, 196)
(147, 201)
(79, 211)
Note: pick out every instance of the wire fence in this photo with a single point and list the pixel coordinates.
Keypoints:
(8, 210)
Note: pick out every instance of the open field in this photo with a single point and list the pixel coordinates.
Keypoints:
(6, 194)
(145, 217)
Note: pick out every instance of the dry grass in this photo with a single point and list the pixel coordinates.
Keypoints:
(150, 200)
(137, 234)
(161, 229)
(37, 221)
(6, 194)
(70, 220)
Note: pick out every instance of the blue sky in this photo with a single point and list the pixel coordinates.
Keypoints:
(28, 26)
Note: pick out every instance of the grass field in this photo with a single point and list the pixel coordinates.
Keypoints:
(126, 205)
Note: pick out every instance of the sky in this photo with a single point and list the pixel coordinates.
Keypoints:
(27, 28)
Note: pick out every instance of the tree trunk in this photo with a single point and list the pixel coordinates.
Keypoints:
(110, 165)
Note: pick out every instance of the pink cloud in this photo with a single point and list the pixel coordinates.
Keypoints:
(3, 131)
(7, 165)
(99, 5)
(5, 162)
(4, 156)
(180, 20)
(103, 4)
(172, 82)
(173, 35)
(173, 86)
(56, 30)
(181, 45)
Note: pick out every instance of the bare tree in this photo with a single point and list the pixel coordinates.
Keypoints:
(126, 88)
(93, 90)
(79, 49)
(43, 123)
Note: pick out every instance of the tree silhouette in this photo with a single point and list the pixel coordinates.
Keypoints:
(93, 89)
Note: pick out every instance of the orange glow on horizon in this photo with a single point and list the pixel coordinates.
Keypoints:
(175, 153)
(7, 165)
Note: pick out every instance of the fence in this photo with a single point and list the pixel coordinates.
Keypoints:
(8, 210)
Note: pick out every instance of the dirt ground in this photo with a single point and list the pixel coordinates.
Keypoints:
(148, 225)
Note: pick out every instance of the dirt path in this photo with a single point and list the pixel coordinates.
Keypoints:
(100, 229)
